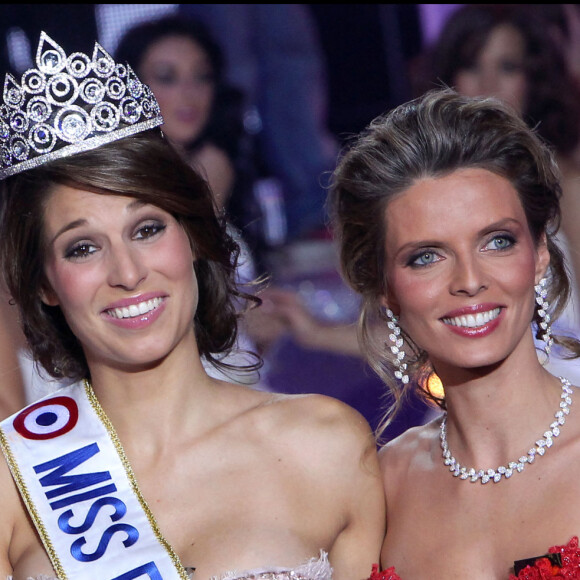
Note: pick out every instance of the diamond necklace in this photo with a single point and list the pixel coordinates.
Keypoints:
(495, 475)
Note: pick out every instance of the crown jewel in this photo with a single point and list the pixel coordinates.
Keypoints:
(70, 104)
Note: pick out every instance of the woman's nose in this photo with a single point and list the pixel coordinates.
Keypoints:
(192, 87)
(468, 277)
(126, 268)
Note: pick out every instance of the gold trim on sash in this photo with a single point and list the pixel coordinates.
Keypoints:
(131, 476)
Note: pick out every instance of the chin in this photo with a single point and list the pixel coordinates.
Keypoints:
(479, 361)
(185, 140)
(181, 138)
(136, 364)
(146, 357)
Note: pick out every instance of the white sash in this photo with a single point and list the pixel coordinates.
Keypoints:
(81, 493)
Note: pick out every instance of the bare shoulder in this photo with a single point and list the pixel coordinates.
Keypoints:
(318, 426)
(212, 156)
(8, 491)
(322, 414)
(292, 412)
(303, 428)
(414, 445)
(215, 165)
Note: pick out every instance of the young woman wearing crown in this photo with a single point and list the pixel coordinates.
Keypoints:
(146, 467)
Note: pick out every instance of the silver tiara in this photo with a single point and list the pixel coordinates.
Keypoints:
(68, 105)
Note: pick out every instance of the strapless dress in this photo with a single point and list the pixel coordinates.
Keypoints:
(315, 569)
(559, 562)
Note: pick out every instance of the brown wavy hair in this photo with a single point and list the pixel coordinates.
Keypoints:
(553, 98)
(146, 167)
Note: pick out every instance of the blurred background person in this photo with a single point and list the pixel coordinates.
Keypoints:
(183, 65)
(504, 50)
(275, 56)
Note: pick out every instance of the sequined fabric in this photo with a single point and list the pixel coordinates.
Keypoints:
(315, 569)
(42, 577)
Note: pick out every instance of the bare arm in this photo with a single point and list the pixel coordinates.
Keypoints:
(9, 504)
(358, 546)
(286, 307)
(5, 536)
(12, 395)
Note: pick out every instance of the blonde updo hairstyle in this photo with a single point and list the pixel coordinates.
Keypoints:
(431, 137)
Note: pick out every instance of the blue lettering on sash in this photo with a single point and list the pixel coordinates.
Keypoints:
(78, 554)
(92, 494)
(64, 484)
(62, 465)
(120, 511)
(149, 569)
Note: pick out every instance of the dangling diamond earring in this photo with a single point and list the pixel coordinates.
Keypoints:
(543, 305)
(397, 347)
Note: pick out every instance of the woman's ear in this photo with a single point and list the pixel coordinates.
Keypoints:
(48, 296)
(543, 258)
(389, 301)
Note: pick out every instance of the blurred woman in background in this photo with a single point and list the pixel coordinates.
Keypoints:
(507, 51)
(183, 65)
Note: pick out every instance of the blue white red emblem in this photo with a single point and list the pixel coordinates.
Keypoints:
(82, 496)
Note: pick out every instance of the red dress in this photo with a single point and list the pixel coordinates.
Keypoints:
(560, 563)
(388, 574)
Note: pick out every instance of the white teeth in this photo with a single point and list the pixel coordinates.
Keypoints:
(473, 321)
(135, 309)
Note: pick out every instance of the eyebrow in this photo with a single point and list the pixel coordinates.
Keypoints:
(502, 223)
(133, 206)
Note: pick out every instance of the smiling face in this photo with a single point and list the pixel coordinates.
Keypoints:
(498, 70)
(461, 267)
(180, 74)
(122, 273)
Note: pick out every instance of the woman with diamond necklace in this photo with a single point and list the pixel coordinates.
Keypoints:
(145, 466)
(445, 210)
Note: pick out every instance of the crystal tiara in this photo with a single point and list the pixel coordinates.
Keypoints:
(70, 104)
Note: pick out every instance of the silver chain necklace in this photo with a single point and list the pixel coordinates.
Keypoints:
(506, 471)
